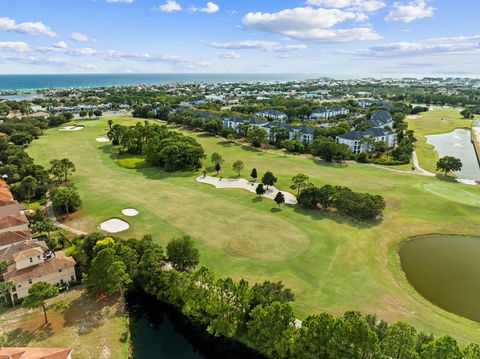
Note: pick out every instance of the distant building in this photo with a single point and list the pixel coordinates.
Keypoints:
(272, 114)
(326, 113)
(365, 103)
(34, 353)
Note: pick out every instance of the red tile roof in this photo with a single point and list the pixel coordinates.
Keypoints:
(11, 237)
(12, 221)
(34, 353)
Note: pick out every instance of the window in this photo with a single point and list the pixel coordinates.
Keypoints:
(72, 278)
(31, 260)
(29, 281)
(19, 286)
(60, 270)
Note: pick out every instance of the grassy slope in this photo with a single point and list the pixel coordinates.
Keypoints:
(331, 264)
(92, 328)
(435, 121)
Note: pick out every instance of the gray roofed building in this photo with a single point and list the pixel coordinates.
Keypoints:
(381, 119)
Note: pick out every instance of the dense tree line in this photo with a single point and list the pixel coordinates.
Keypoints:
(261, 315)
(164, 148)
(359, 206)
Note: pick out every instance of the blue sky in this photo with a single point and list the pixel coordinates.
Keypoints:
(339, 38)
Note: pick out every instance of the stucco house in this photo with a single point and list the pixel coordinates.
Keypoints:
(326, 113)
(34, 353)
(354, 139)
(32, 261)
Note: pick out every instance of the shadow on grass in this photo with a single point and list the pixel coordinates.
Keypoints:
(86, 313)
(225, 143)
(318, 215)
(150, 172)
(446, 178)
(275, 210)
(323, 163)
(20, 337)
(257, 199)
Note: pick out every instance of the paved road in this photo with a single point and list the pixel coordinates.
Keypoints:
(51, 215)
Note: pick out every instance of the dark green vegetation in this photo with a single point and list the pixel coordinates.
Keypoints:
(359, 206)
(444, 269)
(260, 315)
(448, 164)
(332, 264)
(167, 149)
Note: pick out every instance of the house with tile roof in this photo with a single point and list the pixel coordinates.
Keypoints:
(31, 262)
(35, 353)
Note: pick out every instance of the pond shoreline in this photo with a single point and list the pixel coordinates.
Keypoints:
(166, 325)
(440, 269)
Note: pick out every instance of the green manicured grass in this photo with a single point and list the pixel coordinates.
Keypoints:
(331, 263)
(131, 161)
(435, 121)
(92, 327)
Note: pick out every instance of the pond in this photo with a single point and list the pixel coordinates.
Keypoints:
(458, 144)
(160, 331)
(446, 271)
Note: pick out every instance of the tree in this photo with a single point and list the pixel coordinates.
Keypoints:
(27, 187)
(65, 199)
(315, 337)
(400, 341)
(182, 254)
(45, 225)
(269, 179)
(260, 190)
(268, 292)
(107, 273)
(309, 198)
(218, 168)
(448, 164)
(110, 123)
(5, 288)
(238, 166)
(257, 136)
(98, 113)
(62, 168)
(216, 158)
(230, 138)
(254, 174)
(442, 348)
(38, 294)
(270, 329)
(83, 113)
(279, 198)
(299, 182)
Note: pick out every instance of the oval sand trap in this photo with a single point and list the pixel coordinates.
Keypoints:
(130, 212)
(102, 139)
(114, 225)
(72, 128)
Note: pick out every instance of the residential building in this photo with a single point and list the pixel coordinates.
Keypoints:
(272, 114)
(326, 113)
(356, 139)
(8, 205)
(12, 237)
(365, 103)
(14, 222)
(31, 262)
(35, 353)
(381, 119)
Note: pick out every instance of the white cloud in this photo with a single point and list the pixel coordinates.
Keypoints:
(411, 11)
(76, 36)
(311, 24)
(169, 6)
(228, 55)
(434, 46)
(269, 46)
(357, 5)
(210, 8)
(60, 45)
(14, 46)
(28, 28)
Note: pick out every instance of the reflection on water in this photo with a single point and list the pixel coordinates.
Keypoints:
(446, 271)
(159, 331)
(458, 144)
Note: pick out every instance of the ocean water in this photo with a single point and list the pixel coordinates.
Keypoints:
(37, 82)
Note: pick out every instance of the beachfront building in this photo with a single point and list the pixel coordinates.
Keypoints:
(326, 113)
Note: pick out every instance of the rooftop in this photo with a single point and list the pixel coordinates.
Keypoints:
(34, 353)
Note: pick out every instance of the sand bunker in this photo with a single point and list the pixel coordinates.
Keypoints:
(114, 225)
(72, 128)
(242, 183)
(130, 212)
(102, 139)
